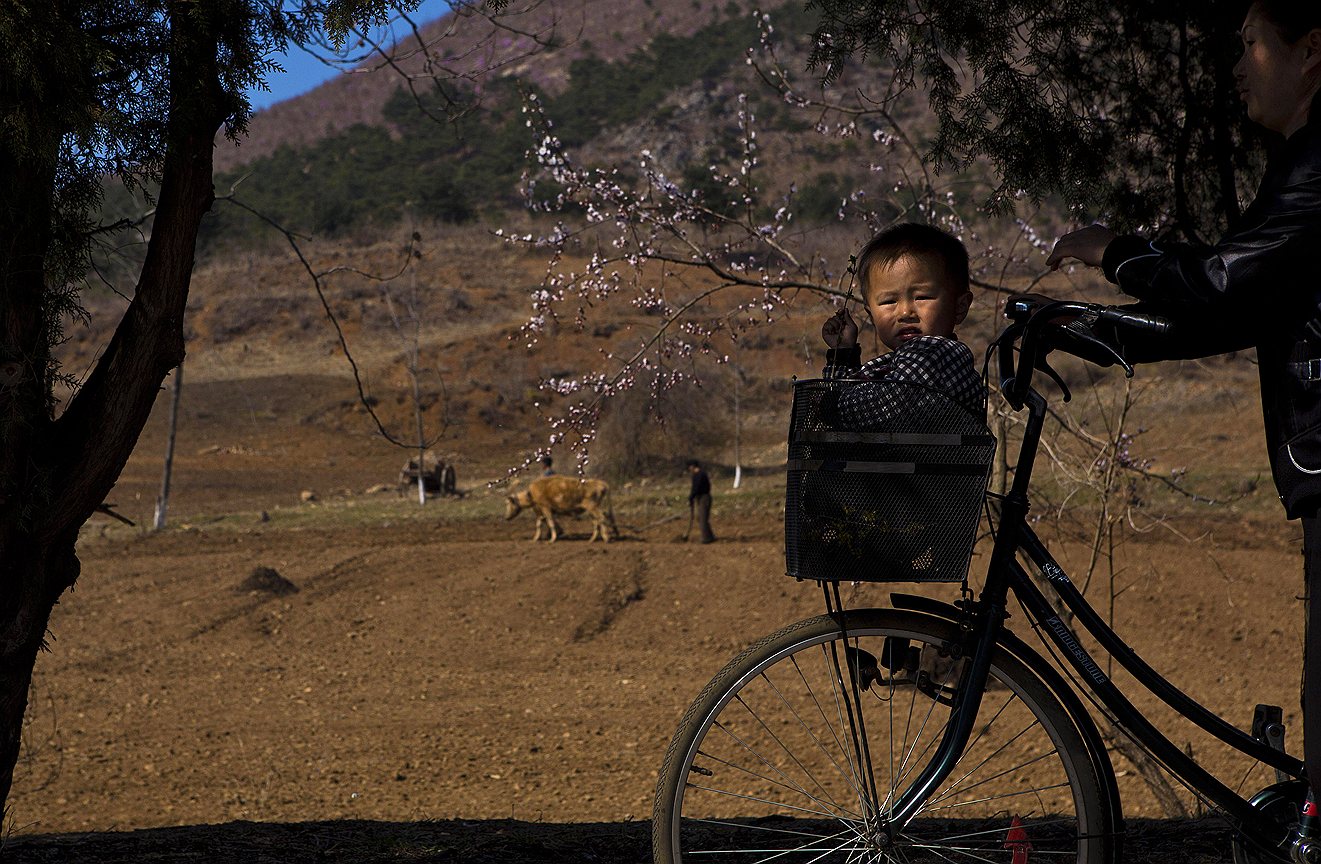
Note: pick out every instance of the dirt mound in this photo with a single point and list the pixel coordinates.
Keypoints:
(616, 594)
(266, 580)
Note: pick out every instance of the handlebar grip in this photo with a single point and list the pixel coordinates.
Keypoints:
(1135, 320)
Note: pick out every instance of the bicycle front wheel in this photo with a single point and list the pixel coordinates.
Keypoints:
(777, 762)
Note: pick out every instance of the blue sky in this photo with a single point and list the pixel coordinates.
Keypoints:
(303, 72)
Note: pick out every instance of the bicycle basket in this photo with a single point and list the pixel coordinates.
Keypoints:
(890, 500)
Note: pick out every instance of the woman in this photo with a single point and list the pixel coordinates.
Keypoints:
(1259, 286)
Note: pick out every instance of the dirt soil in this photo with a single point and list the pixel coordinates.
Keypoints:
(447, 688)
(439, 688)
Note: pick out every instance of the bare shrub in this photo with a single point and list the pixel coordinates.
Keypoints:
(233, 317)
(642, 432)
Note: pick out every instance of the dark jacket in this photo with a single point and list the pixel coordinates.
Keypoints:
(1258, 286)
(701, 485)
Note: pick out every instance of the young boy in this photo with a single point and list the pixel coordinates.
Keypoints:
(915, 286)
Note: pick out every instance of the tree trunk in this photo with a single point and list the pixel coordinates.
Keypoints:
(54, 473)
(22, 633)
(163, 502)
(28, 587)
(738, 429)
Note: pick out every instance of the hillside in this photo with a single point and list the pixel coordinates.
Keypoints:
(610, 30)
(671, 91)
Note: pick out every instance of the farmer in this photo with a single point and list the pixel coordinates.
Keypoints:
(699, 500)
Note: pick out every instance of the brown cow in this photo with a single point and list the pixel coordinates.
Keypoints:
(565, 496)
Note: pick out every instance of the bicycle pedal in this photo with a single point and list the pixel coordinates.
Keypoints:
(1268, 728)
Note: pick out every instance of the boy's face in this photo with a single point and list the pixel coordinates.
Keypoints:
(912, 297)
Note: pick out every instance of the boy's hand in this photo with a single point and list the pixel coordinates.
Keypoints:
(839, 331)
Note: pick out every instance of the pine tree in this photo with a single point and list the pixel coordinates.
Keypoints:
(1122, 109)
(89, 90)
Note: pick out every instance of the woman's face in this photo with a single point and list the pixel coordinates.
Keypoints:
(1277, 80)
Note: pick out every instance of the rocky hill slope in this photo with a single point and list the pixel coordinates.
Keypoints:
(533, 41)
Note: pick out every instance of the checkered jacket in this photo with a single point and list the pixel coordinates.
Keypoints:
(940, 363)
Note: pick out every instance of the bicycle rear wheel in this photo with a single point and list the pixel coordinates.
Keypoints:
(765, 765)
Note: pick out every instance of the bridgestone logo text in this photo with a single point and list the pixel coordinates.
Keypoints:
(1072, 646)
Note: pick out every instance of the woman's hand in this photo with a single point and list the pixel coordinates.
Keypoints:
(1086, 245)
(839, 331)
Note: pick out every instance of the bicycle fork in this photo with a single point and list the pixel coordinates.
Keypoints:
(963, 717)
(850, 690)
(983, 623)
(883, 827)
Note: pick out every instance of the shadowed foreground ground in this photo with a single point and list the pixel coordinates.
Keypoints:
(368, 842)
(481, 842)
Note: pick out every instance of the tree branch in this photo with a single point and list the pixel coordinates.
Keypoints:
(317, 276)
(96, 434)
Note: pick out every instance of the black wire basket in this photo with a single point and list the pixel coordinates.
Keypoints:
(890, 499)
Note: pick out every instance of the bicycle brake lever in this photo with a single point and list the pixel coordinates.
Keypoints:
(1080, 331)
(1055, 376)
(1128, 368)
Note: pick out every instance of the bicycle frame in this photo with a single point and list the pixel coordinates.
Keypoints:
(1005, 574)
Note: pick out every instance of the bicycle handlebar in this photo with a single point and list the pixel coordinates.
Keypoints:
(1139, 321)
(1034, 316)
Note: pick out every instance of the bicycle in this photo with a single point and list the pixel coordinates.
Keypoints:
(930, 731)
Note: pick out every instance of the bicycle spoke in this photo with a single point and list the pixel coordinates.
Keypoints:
(1000, 797)
(815, 740)
(1007, 772)
(774, 782)
(1000, 829)
(741, 796)
(907, 764)
(972, 745)
(852, 777)
(789, 785)
(773, 769)
(779, 854)
(745, 826)
(895, 779)
(956, 785)
(836, 685)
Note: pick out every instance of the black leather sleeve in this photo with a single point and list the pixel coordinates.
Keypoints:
(1194, 334)
(1252, 274)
